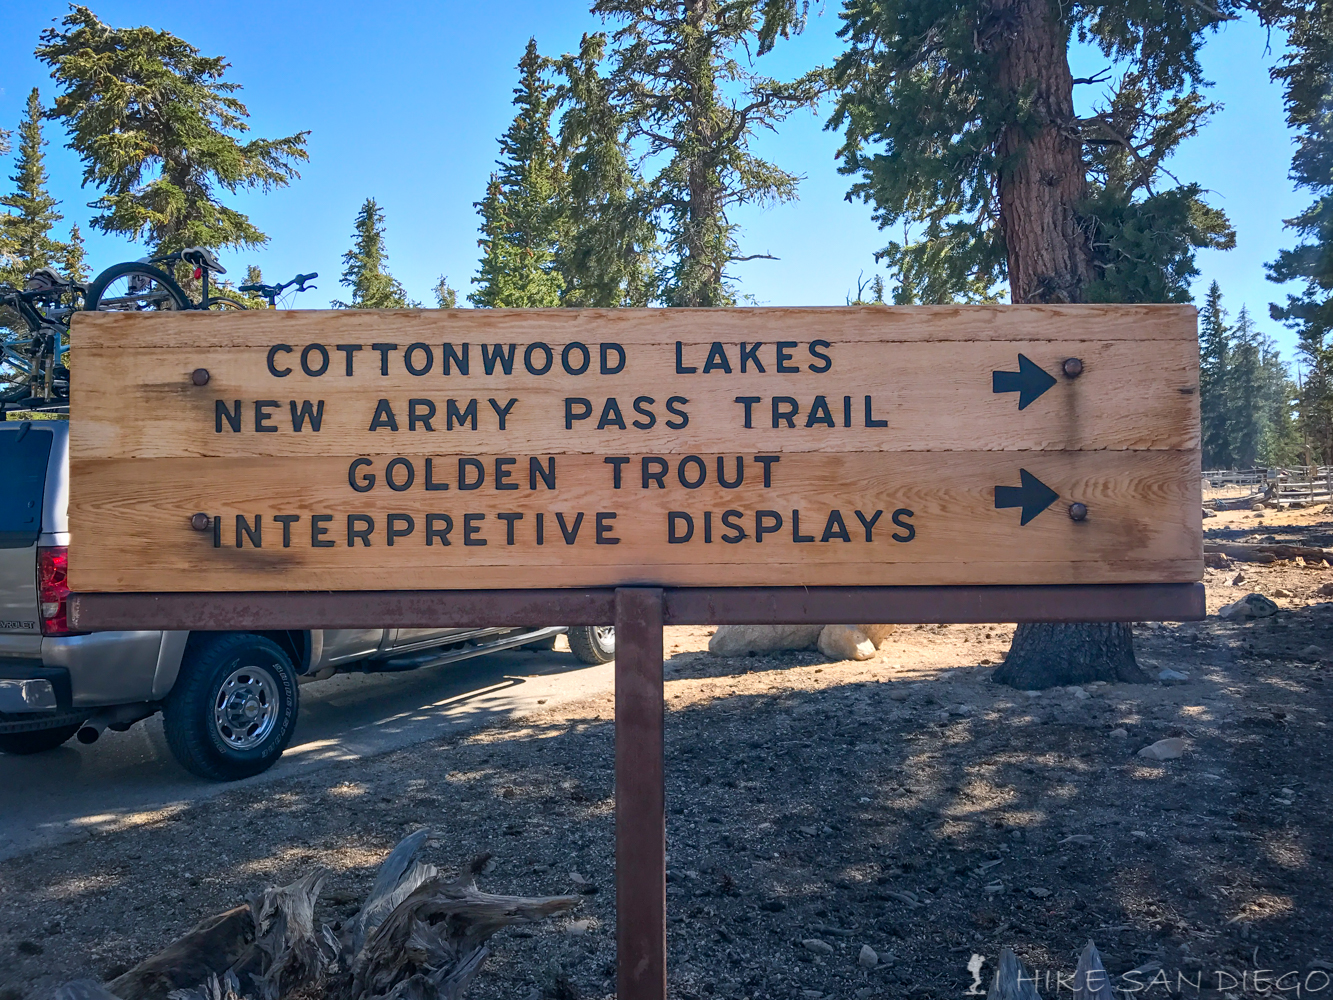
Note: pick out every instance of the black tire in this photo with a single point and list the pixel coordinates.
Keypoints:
(224, 304)
(593, 643)
(164, 293)
(225, 737)
(37, 741)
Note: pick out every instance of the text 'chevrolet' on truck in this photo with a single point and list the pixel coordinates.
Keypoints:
(229, 700)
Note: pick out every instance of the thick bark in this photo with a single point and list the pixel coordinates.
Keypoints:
(1047, 655)
(1042, 174)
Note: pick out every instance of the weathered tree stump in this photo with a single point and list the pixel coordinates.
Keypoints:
(1044, 655)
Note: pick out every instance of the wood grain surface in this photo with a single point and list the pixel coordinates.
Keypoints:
(890, 409)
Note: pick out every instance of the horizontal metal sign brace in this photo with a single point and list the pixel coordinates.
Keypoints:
(596, 606)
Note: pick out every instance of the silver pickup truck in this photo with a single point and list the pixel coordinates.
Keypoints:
(228, 699)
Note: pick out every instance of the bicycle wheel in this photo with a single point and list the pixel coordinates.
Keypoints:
(18, 369)
(134, 287)
(225, 305)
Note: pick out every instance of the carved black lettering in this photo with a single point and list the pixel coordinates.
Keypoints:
(708, 526)
(654, 470)
(363, 483)
(717, 359)
(432, 532)
(766, 522)
(835, 527)
(420, 411)
(431, 485)
(748, 402)
(681, 368)
(255, 534)
(427, 363)
(768, 461)
(384, 350)
(605, 527)
(318, 531)
(264, 416)
(868, 525)
(824, 362)
(692, 482)
(449, 357)
(640, 404)
(509, 520)
(503, 474)
(535, 472)
(680, 527)
(359, 526)
(383, 417)
(222, 412)
(796, 535)
(466, 465)
(399, 526)
(315, 371)
(348, 351)
(548, 358)
(750, 356)
(576, 408)
(870, 420)
(571, 534)
(273, 369)
(502, 412)
(315, 414)
(731, 519)
(611, 415)
(819, 414)
(502, 353)
(584, 358)
(615, 462)
(541, 529)
(673, 405)
(471, 525)
(453, 414)
(846, 411)
(286, 520)
(722, 473)
(607, 367)
(784, 348)
(409, 475)
(900, 519)
(785, 408)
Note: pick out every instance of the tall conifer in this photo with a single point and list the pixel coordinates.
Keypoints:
(373, 287)
(1214, 367)
(26, 227)
(521, 211)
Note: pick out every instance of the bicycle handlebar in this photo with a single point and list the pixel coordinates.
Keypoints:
(271, 292)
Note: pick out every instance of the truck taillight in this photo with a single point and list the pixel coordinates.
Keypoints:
(53, 588)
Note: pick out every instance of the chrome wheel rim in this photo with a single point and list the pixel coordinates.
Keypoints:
(606, 637)
(245, 709)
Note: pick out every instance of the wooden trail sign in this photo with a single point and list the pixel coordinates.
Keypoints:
(476, 449)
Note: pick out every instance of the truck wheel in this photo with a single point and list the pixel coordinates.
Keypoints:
(233, 709)
(37, 741)
(593, 643)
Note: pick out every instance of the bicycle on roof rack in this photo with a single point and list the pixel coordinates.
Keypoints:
(140, 286)
(34, 340)
(271, 292)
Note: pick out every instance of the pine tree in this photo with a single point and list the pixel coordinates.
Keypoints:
(363, 272)
(26, 228)
(608, 247)
(158, 131)
(72, 263)
(446, 297)
(1214, 366)
(676, 67)
(958, 117)
(521, 211)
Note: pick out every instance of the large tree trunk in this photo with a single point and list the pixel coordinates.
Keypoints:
(1042, 180)
(1045, 655)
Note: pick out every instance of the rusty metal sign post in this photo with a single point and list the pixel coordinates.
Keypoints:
(425, 468)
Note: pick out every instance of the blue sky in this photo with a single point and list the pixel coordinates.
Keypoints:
(404, 102)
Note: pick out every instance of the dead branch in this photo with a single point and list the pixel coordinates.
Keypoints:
(1267, 553)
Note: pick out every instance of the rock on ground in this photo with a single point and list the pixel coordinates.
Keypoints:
(737, 640)
(845, 642)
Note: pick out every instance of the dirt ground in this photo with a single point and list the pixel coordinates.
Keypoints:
(904, 803)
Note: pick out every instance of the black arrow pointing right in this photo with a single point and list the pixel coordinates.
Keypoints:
(1033, 496)
(1030, 381)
